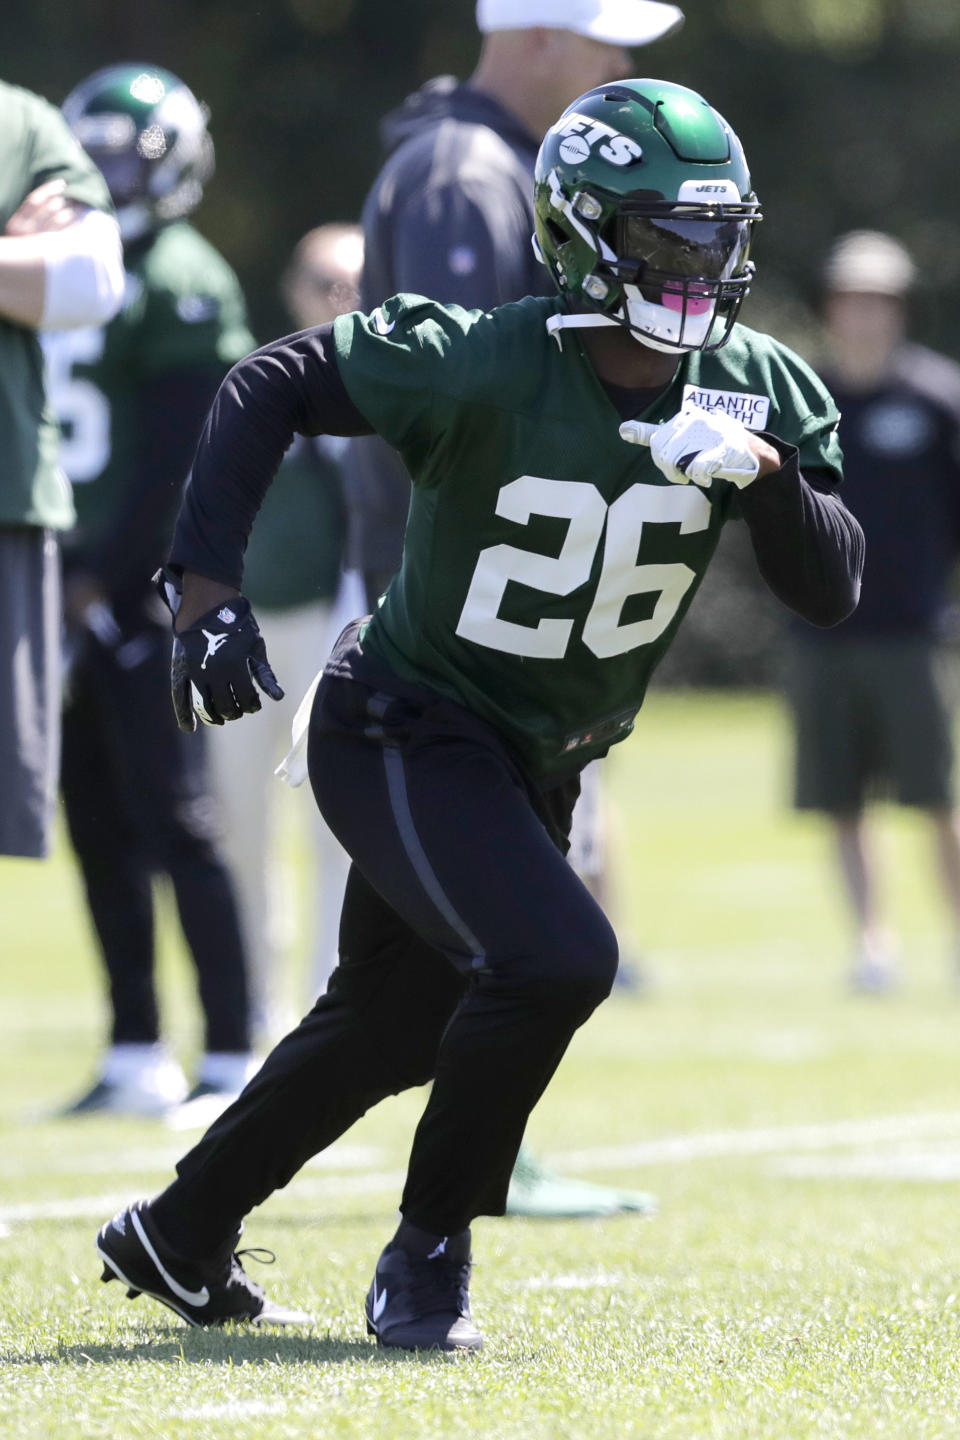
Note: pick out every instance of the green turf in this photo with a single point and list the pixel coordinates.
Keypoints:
(801, 1280)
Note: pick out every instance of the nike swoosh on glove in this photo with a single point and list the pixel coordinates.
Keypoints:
(216, 661)
(698, 445)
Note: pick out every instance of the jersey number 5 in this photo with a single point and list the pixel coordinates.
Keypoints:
(620, 576)
(81, 408)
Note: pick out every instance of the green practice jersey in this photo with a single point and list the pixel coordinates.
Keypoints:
(183, 310)
(36, 145)
(547, 562)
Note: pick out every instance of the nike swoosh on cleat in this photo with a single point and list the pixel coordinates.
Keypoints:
(189, 1297)
(379, 1302)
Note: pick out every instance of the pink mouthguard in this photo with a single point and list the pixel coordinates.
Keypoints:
(699, 299)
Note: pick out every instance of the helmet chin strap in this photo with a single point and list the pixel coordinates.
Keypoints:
(579, 321)
(590, 319)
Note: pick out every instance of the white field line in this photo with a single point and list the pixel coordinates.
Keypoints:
(785, 1140)
(232, 1410)
(147, 1160)
(897, 1162)
(101, 1207)
(711, 1144)
(596, 1280)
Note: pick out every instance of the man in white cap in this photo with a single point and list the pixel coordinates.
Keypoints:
(872, 718)
(450, 216)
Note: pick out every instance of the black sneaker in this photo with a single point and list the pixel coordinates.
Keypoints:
(420, 1296)
(202, 1293)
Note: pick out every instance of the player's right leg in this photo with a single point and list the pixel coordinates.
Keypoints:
(374, 1033)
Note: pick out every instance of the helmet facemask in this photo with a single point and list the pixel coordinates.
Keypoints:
(683, 273)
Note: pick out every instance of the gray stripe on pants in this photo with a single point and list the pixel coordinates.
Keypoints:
(400, 804)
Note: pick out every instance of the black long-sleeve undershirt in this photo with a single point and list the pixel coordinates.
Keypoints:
(291, 386)
(808, 546)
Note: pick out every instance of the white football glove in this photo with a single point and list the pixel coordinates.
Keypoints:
(697, 445)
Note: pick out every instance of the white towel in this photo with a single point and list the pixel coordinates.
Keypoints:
(293, 767)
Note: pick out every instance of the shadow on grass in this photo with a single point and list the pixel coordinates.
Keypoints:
(170, 1345)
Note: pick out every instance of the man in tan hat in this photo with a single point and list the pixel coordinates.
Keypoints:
(872, 717)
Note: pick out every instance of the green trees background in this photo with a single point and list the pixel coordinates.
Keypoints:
(849, 111)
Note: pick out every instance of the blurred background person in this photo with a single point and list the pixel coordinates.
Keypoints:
(450, 216)
(292, 571)
(60, 266)
(131, 398)
(873, 714)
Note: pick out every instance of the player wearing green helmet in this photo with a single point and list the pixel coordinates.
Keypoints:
(131, 397)
(557, 534)
(644, 214)
(147, 133)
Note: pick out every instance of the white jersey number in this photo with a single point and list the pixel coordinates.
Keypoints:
(620, 577)
(81, 407)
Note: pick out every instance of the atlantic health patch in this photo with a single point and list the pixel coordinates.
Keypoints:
(751, 410)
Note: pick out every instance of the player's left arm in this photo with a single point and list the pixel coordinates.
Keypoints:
(291, 386)
(809, 548)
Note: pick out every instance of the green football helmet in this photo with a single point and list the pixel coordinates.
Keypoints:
(644, 213)
(147, 133)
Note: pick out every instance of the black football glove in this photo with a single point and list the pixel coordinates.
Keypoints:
(216, 661)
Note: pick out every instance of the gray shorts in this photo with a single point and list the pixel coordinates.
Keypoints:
(29, 688)
(873, 721)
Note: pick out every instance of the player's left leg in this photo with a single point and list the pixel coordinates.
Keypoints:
(537, 1191)
(375, 1032)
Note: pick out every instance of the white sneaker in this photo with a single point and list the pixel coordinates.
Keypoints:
(134, 1080)
(222, 1077)
(874, 973)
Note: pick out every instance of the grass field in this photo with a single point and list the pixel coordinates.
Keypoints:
(801, 1280)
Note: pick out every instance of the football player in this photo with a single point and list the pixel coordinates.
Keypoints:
(60, 266)
(131, 397)
(574, 459)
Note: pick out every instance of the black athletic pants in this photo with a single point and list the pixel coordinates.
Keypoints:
(135, 795)
(469, 954)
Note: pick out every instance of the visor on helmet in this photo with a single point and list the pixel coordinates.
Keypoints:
(702, 249)
(694, 267)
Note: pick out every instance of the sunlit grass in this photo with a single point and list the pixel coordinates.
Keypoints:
(801, 1280)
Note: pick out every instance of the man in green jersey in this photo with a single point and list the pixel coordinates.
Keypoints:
(59, 266)
(573, 460)
(131, 397)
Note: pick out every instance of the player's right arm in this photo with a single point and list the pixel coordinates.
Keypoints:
(292, 386)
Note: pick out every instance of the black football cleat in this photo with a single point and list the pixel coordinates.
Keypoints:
(202, 1293)
(420, 1296)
